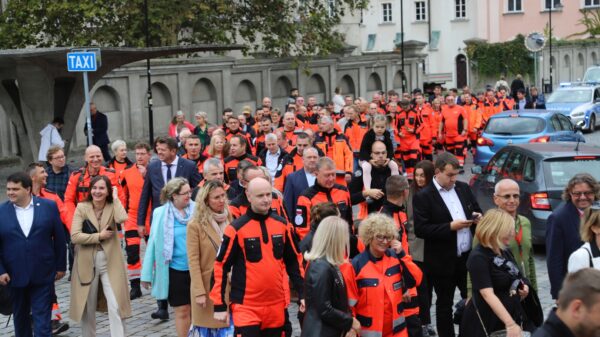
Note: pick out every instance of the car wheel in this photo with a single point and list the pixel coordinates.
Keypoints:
(592, 126)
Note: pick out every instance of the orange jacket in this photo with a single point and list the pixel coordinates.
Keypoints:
(425, 114)
(249, 144)
(260, 249)
(408, 123)
(132, 183)
(240, 204)
(290, 136)
(490, 108)
(291, 163)
(78, 188)
(317, 194)
(199, 162)
(230, 164)
(370, 282)
(335, 146)
(62, 210)
(506, 103)
(355, 132)
(474, 117)
(453, 119)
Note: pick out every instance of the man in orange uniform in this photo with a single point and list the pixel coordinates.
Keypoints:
(355, 130)
(379, 278)
(409, 127)
(237, 152)
(490, 107)
(425, 119)
(325, 189)
(453, 128)
(505, 102)
(240, 204)
(290, 127)
(397, 190)
(78, 186)
(38, 175)
(192, 151)
(258, 249)
(234, 128)
(474, 118)
(265, 128)
(292, 162)
(132, 183)
(335, 146)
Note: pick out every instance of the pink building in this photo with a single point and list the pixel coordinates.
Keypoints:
(504, 19)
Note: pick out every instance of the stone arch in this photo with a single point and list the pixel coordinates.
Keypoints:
(108, 101)
(315, 86)
(162, 107)
(579, 67)
(373, 85)
(565, 69)
(398, 78)
(245, 94)
(281, 91)
(347, 86)
(204, 98)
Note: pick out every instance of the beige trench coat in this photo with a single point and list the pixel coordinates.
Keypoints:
(83, 267)
(201, 257)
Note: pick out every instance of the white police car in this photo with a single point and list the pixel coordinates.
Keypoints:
(579, 101)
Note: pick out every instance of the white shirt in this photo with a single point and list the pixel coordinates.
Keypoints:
(25, 217)
(272, 161)
(173, 168)
(463, 236)
(311, 178)
(580, 259)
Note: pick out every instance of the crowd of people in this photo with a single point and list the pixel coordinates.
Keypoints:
(241, 219)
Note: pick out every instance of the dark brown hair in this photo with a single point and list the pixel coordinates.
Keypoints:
(109, 197)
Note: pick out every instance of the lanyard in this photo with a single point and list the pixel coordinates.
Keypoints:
(519, 236)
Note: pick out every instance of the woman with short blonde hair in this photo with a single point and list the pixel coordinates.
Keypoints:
(493, 227)
(377, 224)
(217, 146)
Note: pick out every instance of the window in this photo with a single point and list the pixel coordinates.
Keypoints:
(515, 6)
(460, 11)
(371, 41)
(592, 3)
(330, 7)
(513, 166)
(552, 4)
(386, 11)
(495, 165)
(398, 38)
(529, 170)
(420, 11)
(565, 123)
(556, 123)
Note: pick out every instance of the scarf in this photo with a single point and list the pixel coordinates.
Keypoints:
(172, 214)
(218, 219)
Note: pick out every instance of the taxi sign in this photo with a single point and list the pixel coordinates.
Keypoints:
(81, 61)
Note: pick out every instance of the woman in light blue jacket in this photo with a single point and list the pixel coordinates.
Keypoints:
(165, 265)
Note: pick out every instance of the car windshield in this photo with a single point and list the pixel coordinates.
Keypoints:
(592, 75)
(571, 96)
(512, 126)
(559, 171)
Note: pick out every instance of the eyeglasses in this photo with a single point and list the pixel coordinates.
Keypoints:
(588, 194)
(382, 238)
(508, 196)
(185, 193)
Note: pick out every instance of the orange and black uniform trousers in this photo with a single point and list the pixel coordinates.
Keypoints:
(375, 287)
(258, 249)
(408, 125)
(132, 183)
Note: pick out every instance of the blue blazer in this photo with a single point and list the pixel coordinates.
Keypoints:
(154, 182)
(295, 184)
(35, 259)
(562, 239)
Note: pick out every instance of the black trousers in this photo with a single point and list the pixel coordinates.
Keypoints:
(424, 297)
(33, 302)
(444, 285)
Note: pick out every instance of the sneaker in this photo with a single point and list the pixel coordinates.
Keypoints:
(59, 327)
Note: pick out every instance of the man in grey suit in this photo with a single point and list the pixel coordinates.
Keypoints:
(169, 165)
(300, 180)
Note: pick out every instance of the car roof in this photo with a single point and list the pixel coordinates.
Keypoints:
(558, 149)
(526, 113)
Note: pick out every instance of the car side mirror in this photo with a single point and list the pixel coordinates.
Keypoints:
(476, 169)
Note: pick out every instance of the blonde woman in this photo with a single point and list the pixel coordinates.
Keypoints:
(165, 265)
(217, 146)
(327, 313)
(588, 256)
(204, 236)
(498, 284)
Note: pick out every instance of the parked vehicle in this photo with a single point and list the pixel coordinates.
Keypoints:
(580, 102)
(542, 171)
(526, 126)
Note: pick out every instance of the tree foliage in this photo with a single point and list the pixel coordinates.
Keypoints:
(501, 58)
(274, 27)
(591, 22)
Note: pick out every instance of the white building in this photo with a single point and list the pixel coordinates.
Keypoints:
(442, 24)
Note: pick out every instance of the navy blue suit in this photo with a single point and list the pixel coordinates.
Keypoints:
(154, 182)
(31, 263)
(562, 239)
(295, 184)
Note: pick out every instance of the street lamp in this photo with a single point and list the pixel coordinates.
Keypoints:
(550, 10)
(402, 44)
(148, 75)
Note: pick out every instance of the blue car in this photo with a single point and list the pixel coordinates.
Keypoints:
(526, 126)
(579, 102)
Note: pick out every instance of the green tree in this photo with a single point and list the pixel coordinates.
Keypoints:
(591, 22)
(275, 27)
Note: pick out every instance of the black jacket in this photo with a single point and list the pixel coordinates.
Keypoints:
(553, 327)
(327, 312)
(367, 144)
(432, 223)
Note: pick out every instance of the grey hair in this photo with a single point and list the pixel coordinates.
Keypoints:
(212, 162)
(310, 148)
(271, 137)
(503, 181)
(325, 162)
(117, 144)
(581, 178)
(202, 114)
(327, 119)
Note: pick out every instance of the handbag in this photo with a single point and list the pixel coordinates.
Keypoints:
(499, 333)
(88, 228)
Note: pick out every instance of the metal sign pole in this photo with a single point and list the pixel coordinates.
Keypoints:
(88, 114)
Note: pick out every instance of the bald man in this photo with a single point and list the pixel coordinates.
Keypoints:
(258, 249)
